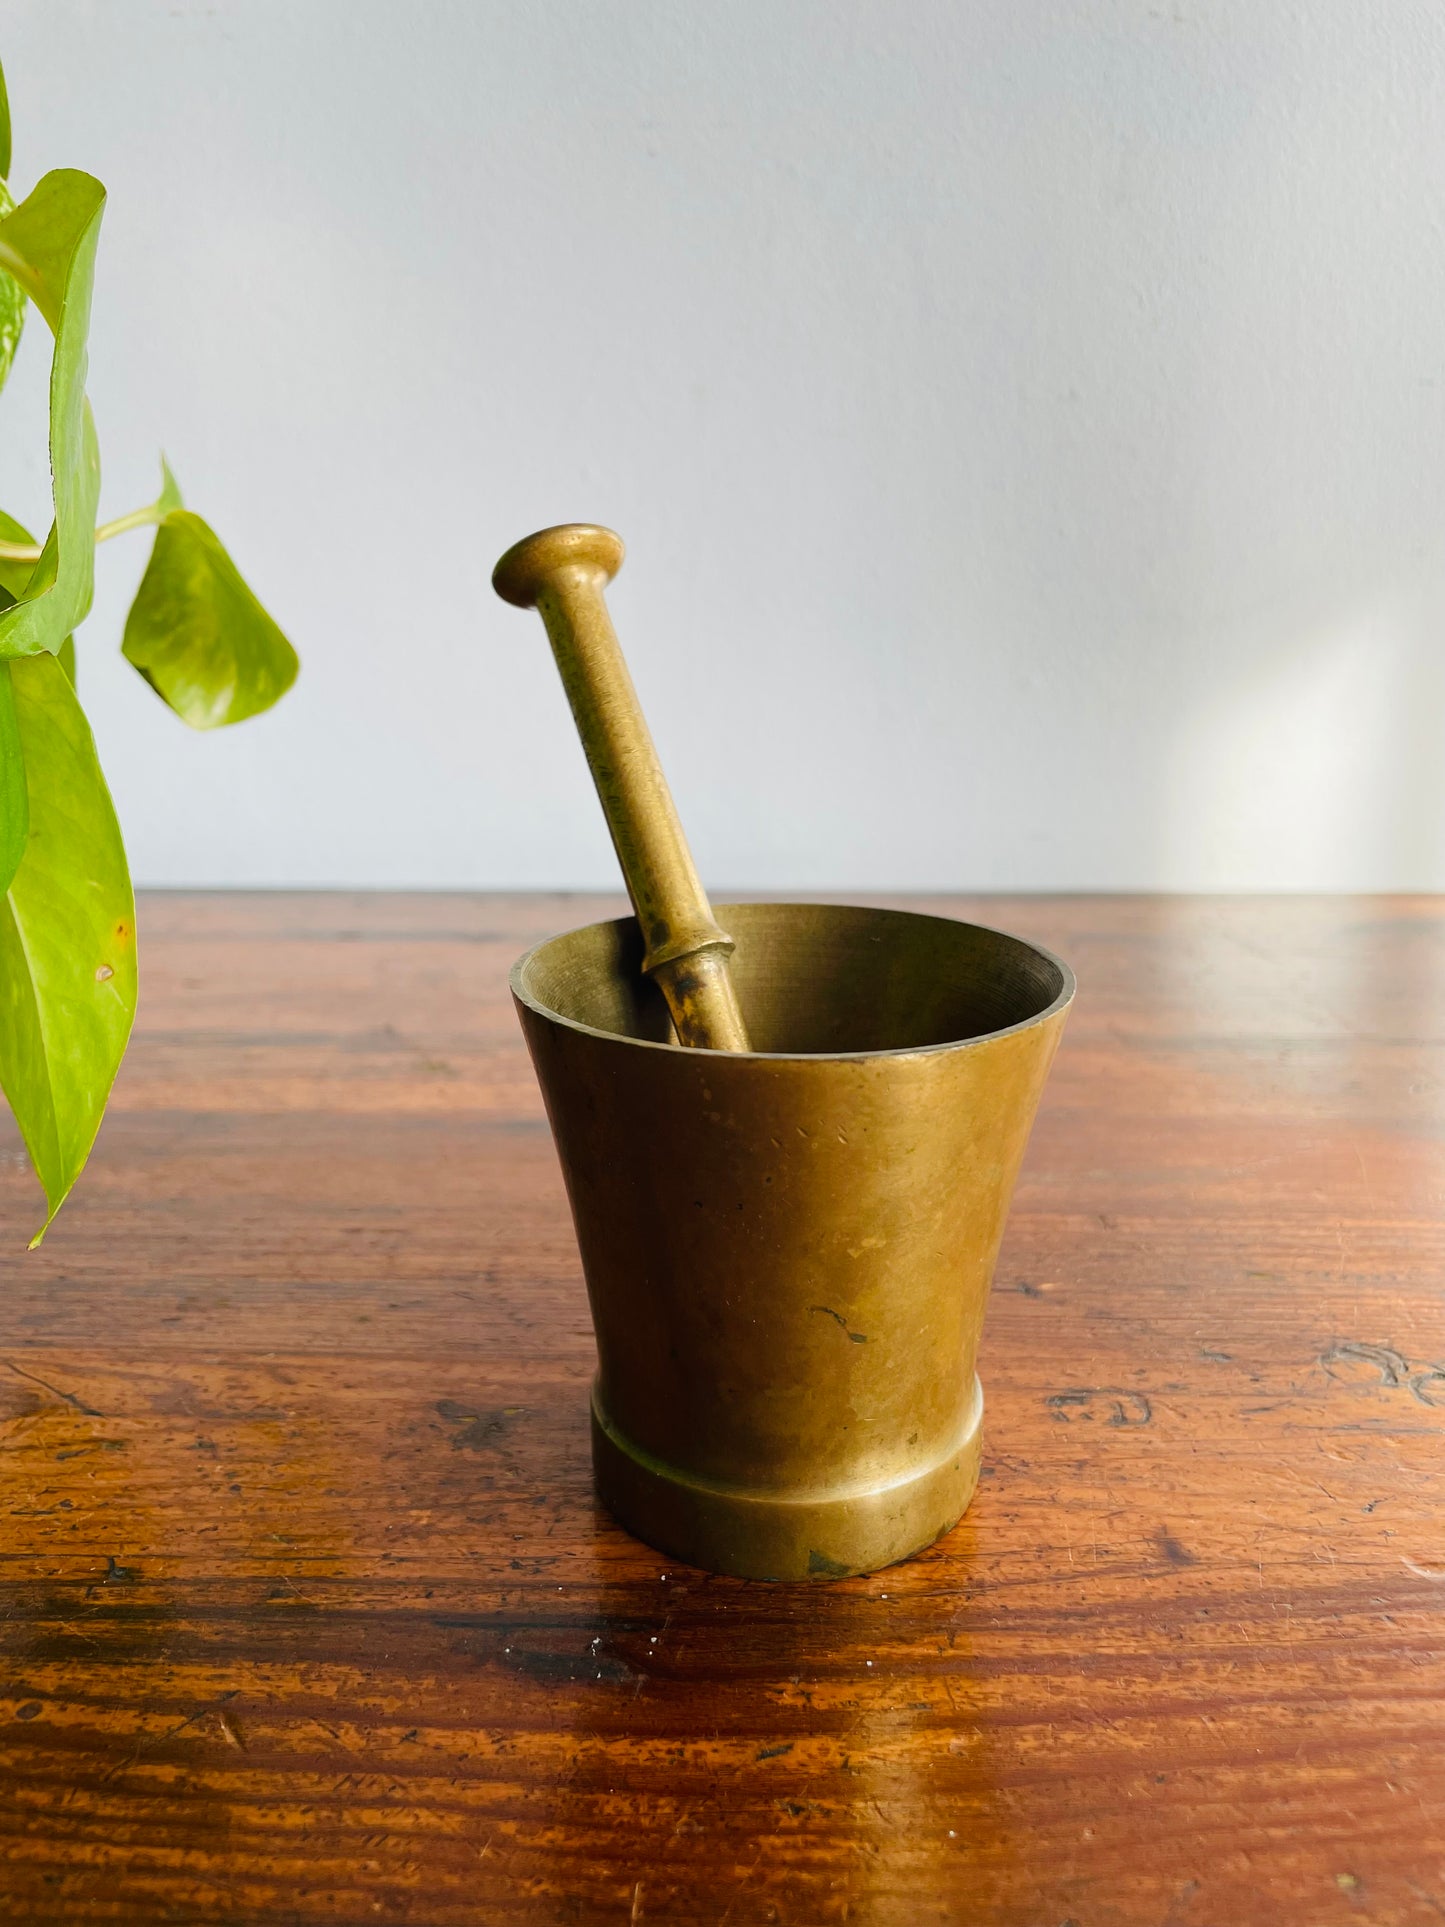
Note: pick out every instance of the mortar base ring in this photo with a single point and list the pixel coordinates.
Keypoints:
(752, 1535)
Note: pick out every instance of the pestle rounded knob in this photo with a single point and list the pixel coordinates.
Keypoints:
(562, 572)
(524, 570)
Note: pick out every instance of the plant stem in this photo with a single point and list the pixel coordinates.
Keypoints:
(137, 519)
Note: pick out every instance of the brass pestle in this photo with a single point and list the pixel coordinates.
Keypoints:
(562, 573)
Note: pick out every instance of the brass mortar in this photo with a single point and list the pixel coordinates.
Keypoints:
(788, 1249)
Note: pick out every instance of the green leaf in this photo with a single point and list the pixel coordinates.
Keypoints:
(14, 804)
(13, 575)
(67, 937)
(12, 296)
(170, 495)
(198, 635)
(48, 245)
(4, 128)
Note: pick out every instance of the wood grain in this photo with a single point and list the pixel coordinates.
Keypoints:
(309, 1615)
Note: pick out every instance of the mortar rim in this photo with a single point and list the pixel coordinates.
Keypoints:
(1067, 989)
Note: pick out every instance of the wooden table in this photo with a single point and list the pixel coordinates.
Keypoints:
(309, 1615)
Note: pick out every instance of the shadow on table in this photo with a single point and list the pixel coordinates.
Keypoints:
(755, 1752)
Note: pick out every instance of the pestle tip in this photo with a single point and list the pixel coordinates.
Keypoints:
(523, 571)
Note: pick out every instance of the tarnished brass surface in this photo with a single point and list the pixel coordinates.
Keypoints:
(788, 1250)
(563, 572)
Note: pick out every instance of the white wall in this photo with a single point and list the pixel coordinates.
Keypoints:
(1026, 420)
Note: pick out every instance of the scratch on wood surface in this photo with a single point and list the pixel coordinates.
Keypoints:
(144, 1744)
(1429, 1899)
(340, 1740)
(54, 1390)
(742, 1888)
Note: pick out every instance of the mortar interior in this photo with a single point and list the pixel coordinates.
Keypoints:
(813, 979)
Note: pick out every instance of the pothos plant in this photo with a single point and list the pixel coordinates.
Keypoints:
(196, 634)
